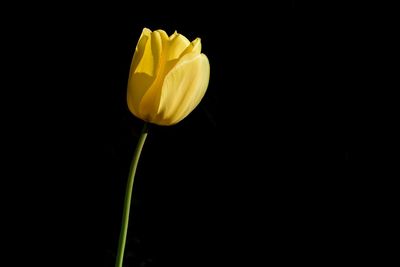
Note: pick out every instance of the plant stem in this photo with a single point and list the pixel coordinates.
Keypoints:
(128, 197)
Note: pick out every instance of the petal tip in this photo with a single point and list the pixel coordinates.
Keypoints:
(146, 30)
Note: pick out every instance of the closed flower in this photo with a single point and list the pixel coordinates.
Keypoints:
(168, 77)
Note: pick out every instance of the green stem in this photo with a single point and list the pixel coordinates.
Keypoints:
(128, 197)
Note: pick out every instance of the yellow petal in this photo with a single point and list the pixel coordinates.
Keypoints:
(144, 70)
(183, 88)
(163, 35)
(140, 48)
(150, 101)
(194, 47)
(177, 44)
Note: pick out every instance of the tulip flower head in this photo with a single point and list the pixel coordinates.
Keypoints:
(168, 77)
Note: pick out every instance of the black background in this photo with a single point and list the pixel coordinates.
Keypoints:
(247, 176)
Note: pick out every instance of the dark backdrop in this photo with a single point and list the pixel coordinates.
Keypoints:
(245, 177)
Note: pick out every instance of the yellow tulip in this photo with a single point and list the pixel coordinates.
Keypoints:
(168, 77)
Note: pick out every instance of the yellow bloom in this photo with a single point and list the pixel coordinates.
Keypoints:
(168, 77)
